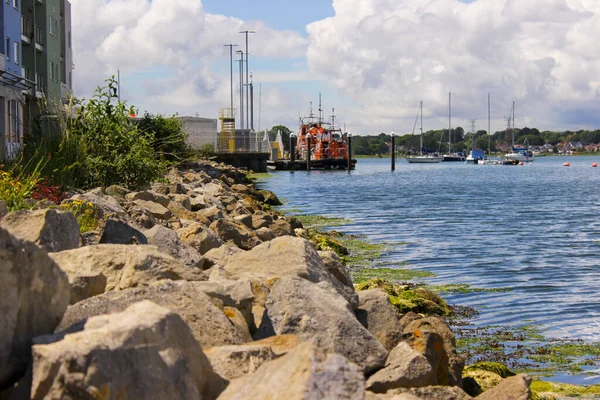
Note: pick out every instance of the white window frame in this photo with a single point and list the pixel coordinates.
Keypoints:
(16, 52)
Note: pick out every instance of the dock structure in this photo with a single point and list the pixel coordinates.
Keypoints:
(301, 165)
(242, 148)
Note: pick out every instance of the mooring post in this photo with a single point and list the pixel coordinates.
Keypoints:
(393, 151)
(349, 151)
(308, 152)
(292, 148)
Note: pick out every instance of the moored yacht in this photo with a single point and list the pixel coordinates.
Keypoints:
(423, 158)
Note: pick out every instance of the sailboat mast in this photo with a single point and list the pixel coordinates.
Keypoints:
(513, 129)
(489, 125)
(421, 127)
(450, 123)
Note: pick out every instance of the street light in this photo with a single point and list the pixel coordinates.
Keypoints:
(241, 61)
(247, 78)
(231, 46)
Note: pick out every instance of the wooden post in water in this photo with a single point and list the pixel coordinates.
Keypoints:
(349, 151)
(393, 151)
(308, 152)
(292, 149)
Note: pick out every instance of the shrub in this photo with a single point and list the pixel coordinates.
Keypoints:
(169, 137)
(207, 150)
(16, 188)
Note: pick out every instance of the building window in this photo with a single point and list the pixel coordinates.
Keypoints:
(51, 26)
(16, 52)
(51, 70)
(16, 4)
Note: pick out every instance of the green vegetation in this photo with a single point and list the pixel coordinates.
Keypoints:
(406, 298)
(206, 151)
(16, 187)
(463, 288)
(85, 213)
(95, 142)
(360, 275)
(542, 390)
(319, 221)
(259, 176)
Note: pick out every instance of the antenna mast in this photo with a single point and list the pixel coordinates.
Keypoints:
(450, 123)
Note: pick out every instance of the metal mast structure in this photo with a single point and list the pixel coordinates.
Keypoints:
(231, 46)
(247, 78)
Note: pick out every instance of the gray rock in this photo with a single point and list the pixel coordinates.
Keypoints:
(142, 217)
(437, 325)
(144, 352)
(281, 228)
(119, 232)
(209, 324)
(404, 367)
(157, 210)
(52, 230)
(123, 266)
(305, 373)
(261, 220)
(513, 388)
(182, 199)
(270, 198)
(232, 362)
(428, 393)
(168, 242)
(104, 205)
(117, 191)
(379, 316)
(239, 234)
(35, 294)
(200, 237)
(244, 219)
(334, 265)
(265, 234)
(148, 195)
(297, 306)
(431, 345)
(220, 255)
(286, 256)
(197, 203)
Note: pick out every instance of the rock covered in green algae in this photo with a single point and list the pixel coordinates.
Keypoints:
(406, 299)
(482, 376)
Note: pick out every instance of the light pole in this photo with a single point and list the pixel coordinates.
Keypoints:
(231, 46)
(241, 61)
(247, 78)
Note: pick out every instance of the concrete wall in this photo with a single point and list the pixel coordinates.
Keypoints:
(66, 51)
(200, 130)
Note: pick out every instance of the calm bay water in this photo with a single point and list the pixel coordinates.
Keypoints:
(534, 229)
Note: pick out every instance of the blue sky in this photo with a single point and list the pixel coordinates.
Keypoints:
(283, 14)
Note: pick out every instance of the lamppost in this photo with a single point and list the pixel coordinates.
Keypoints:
(231, 46)
(247, 77)
(241, 61)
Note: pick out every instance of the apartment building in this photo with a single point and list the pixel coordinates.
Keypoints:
(37, 64)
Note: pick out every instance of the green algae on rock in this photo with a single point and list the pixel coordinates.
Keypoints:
(543, 390)
(360, 275)
(319, 221)
(464, 288)
(406, 299)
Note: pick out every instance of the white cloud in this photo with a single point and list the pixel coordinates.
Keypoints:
(387, 55)
(177, 38)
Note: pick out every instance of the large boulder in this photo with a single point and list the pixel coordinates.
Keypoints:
(156, 209)
(286, 256)
(316, 313)
(149, 195)
(430, 345)
(35, 294)
(119, 232)
(307, 372)
(380, 317)
(144, 352)
(168, 242)
(281, 227)
(105, 206)
(404, 367)
(220, 255)
(425, 393)
(200, 237)
(238, 233)
(437, 325)
(123, 266)
(270, 198)
(208, 323)
(232, 362)
(513, 388)
(53, 230)
(3, 209)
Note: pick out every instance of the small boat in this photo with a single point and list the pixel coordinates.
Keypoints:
(423, 158)
(475, 156)
(517, 154)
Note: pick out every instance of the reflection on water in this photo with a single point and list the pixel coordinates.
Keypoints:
(534, 229)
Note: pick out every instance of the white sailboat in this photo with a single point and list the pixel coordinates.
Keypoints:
(423, 158)
(451, 156)
(518, 155)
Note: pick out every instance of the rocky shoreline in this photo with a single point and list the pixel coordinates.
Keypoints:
(196, 289)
